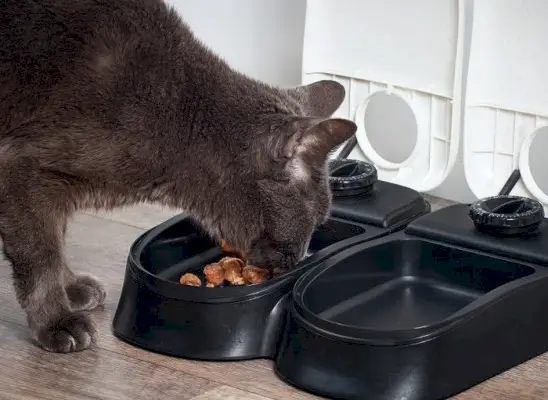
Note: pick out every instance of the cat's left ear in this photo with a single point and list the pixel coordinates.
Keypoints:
(319, 99)
(313, 139)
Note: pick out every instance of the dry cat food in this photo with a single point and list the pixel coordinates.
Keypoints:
(189, 279)
(253, 274)
(230, 270)
(229, 251)
(215, 275)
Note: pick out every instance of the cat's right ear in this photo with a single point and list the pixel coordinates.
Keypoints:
(319, 99)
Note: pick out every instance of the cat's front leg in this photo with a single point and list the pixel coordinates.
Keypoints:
(85, 292)
(32, 238)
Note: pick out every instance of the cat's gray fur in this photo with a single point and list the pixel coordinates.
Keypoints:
(105, 103)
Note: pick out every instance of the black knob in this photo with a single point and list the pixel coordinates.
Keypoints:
(351, 177)
(507, 215)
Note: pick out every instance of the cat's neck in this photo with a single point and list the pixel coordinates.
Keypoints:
(214, 98)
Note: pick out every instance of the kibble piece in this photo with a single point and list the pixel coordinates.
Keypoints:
(189, 279)
(230, 251)
(233, 270)
(215, 275)
(254, 275)
(225, 247)
(236, 280)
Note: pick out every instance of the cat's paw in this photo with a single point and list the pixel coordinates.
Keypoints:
(73, 332)
(85, 293)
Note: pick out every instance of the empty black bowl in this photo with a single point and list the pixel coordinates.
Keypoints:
(424, 313)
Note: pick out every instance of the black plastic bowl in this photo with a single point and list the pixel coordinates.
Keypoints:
(226, 323)
(424, 313)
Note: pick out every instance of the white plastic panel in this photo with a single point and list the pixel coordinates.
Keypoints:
(507, 97)
(411, 50)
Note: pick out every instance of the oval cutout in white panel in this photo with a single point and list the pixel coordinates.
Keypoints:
(413, 50)
(388, 119)
(533, 164)
(506, 97)
(537, 159)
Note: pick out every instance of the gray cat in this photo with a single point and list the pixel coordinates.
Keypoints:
(106, 103)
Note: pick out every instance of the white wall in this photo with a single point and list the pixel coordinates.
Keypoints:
(264, 38)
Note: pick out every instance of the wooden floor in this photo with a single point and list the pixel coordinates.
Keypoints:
(115, 370)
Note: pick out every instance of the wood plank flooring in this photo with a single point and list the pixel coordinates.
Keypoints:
(98, 244)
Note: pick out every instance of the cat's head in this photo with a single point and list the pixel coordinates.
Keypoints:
(292, 184)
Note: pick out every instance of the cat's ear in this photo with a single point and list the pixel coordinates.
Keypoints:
(319, 99)
(313, 139)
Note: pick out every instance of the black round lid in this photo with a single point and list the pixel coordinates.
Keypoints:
(351, 177)
(506, 215)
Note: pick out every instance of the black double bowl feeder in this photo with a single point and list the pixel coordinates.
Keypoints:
(394, 302)
(157, 313)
